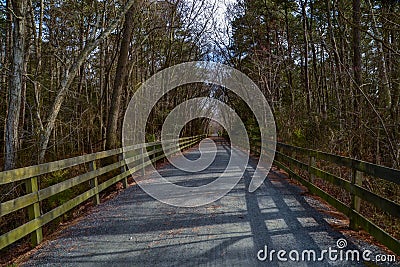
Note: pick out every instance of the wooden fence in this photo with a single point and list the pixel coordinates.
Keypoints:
(285, 158)
(34, 195)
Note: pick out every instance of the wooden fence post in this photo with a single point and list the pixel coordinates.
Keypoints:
(281, 150)
(293, 156)
(311, 164)
(152, 156)
(123, 169)
(34, 210)
(158, 154)
(94, 183)
(355, 205)
(143, 170)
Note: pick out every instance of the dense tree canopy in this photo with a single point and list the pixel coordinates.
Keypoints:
(332, 79)
(72, 68)
(330, 70)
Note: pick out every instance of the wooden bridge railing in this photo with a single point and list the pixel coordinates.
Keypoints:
(34, 195)
(285, 159)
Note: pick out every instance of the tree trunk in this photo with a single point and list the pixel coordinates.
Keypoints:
(306, 44)
(112, 137)
(356, 145)
(16, 83)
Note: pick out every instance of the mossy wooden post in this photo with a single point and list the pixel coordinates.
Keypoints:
(31, 185)
(123, 169)
(158, 153)
(356, 179)
(280, 150)
(310, 165)
(292, 155)
(152, 156)
(142, 170)
(94, 183)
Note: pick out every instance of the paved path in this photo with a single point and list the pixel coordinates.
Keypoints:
(135, 230)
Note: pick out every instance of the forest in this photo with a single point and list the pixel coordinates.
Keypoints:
(330, 70)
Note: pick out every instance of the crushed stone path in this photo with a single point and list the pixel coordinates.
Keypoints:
(133, 229)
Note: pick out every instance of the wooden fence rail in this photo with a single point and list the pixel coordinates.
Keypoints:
(285, 159)
(34, 195)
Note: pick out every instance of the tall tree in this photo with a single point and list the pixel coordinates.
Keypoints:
(16, 83)
(357, 72)
(112, 135)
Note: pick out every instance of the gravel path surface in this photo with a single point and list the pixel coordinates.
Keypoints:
(135, 230)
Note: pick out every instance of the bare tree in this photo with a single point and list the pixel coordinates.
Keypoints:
(16, 83)
(112, 135)
(69, 76)
(357, 72)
